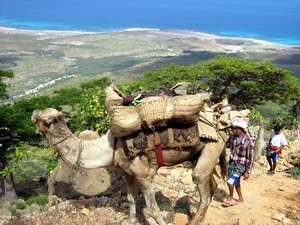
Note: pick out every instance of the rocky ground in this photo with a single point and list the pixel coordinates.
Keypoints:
(268, 200)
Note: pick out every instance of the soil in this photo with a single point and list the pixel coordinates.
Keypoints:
(267, 200)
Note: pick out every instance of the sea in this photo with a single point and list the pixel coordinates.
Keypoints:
(275, 21)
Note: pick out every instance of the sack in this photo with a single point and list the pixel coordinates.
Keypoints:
(156, 111)
(124, 120)
(114, 97)
(187, 107)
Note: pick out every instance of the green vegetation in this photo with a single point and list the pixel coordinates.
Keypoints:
(183, 205)
(3, 86)
(270, 92)
(21, 204)
(38, 200)
(295, 172)
(35, 163)
(245, 83)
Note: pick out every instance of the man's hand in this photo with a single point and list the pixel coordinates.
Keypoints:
(246, 176)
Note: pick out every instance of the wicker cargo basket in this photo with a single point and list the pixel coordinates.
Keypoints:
(187, 107)
(113, 97)
(156, 111)
(124, 120)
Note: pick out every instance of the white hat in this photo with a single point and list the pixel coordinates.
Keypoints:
(240, 123)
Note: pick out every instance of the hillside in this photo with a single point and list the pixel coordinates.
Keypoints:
(268, 200)
(43, 60)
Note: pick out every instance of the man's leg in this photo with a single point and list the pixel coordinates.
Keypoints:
(270, 164)
(239, 192)
(231, 190)
(275, 159)
(274, 166)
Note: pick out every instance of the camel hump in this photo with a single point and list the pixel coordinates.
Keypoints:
(88, 135)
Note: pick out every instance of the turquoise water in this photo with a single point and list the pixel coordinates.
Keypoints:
(270, 20)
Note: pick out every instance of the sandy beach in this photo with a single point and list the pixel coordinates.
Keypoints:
(43, 60)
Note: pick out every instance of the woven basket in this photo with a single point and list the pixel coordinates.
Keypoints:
(156, 111)
(124, 120)
(113, 97)
(187, 108)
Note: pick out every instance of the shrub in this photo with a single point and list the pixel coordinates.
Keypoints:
(39, 200)
(295, 172)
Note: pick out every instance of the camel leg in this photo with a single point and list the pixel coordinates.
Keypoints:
(152, 209)
(203, 178)
(131, 197)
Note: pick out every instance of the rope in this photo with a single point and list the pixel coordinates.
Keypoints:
(62, 140)
(78, 167)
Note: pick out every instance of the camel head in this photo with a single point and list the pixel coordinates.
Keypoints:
(51, 123)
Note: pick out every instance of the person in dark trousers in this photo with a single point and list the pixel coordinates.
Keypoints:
(274, 148)
(240, 162)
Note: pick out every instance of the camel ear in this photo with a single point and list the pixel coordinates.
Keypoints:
(54, 119)
(60, 116)
(35, 115)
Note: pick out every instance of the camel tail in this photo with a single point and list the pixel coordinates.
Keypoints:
(223, 164)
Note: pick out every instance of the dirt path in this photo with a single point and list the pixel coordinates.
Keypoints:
(268, 200)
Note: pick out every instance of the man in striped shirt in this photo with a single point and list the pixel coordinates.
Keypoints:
(240, 162)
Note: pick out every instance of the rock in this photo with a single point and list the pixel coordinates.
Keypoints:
(66, 182)
(187, 180)
(279, 216)
(294, 158)
(4, 212)
(32, 209)
(180, 219)
(85, 211)
(244, 221)
(53, 200)
(286, 221)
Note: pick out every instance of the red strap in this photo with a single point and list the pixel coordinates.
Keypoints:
(159, 155)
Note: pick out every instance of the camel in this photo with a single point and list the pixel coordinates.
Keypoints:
(108, 150)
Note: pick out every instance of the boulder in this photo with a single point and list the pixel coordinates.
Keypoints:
(67, 182)
(294, 159)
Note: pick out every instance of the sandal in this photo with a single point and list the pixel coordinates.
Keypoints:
(229, 203)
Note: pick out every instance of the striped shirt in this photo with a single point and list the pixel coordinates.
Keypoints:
(241, 151)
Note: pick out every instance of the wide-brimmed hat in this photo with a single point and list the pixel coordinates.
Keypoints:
(240, 123)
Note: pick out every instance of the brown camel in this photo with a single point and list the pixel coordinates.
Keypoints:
(108, 150)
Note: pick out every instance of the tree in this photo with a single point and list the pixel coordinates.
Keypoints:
(249, 83)
(7, 190)
(244, 83)
(3, 86)
(92, 113)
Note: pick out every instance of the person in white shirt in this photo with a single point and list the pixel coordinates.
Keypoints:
(276, 144)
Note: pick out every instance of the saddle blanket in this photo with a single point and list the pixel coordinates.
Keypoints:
(170, 137)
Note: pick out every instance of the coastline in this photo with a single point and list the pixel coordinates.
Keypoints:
(43, 60)
(180, 33)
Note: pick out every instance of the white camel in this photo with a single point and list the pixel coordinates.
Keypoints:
(108, 150)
